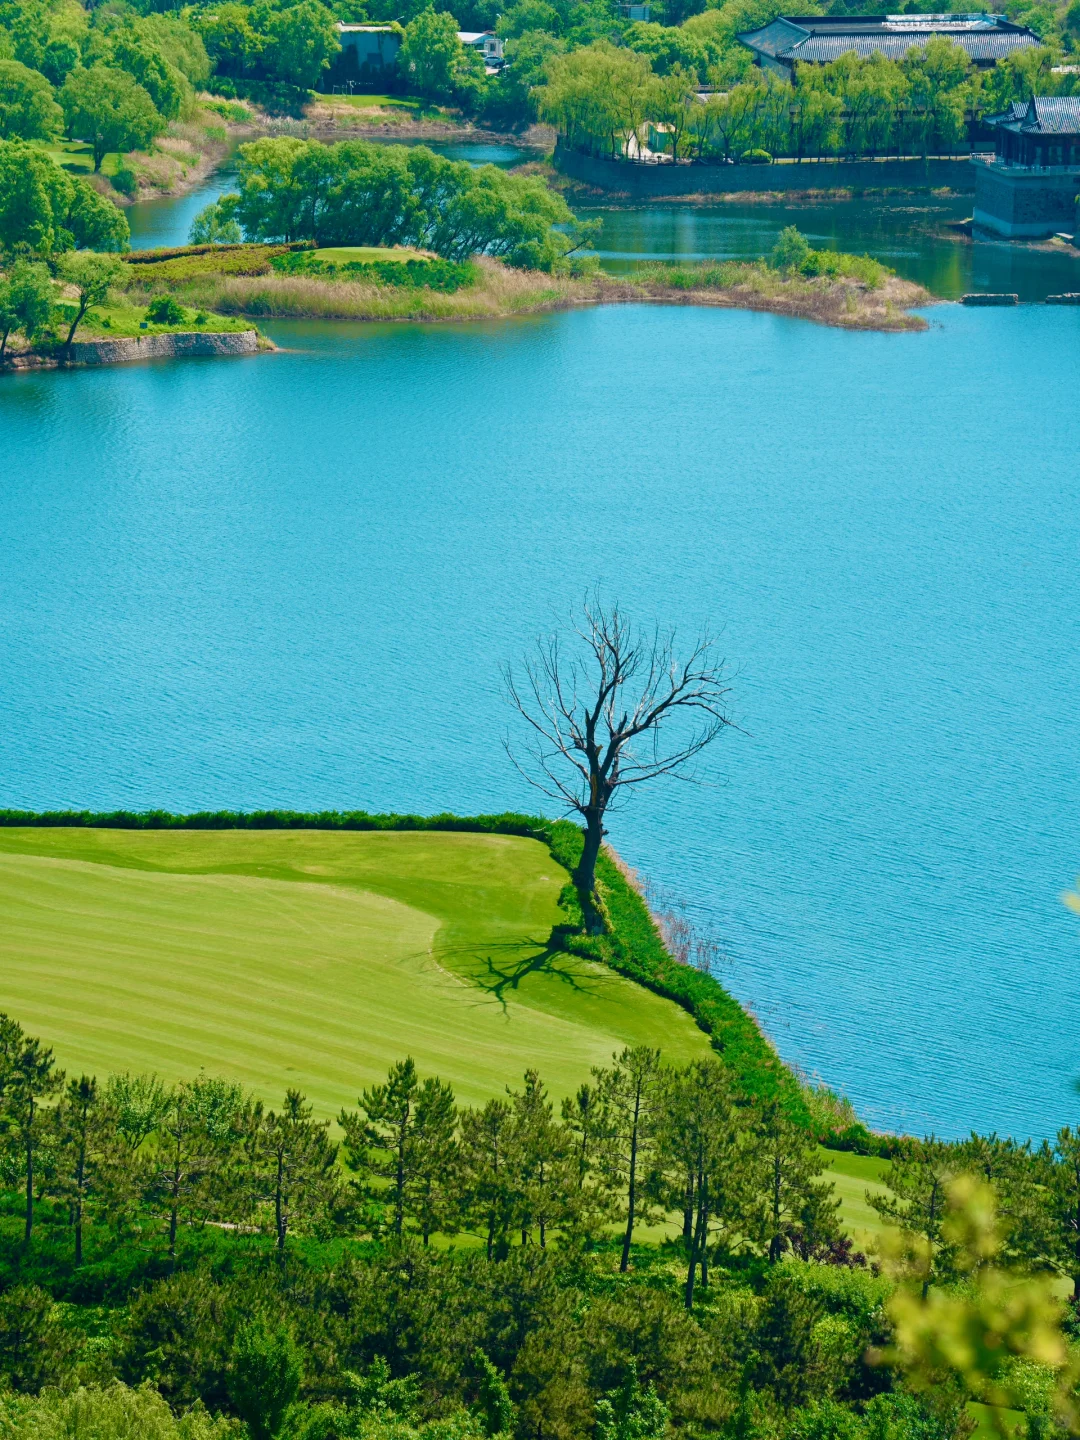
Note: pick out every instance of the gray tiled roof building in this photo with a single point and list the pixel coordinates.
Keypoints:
(793, 40)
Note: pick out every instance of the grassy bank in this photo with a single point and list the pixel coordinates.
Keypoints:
(491, 924)
(243, 280)
(311, 958)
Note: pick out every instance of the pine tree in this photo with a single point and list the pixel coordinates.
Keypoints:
(432, 1165)
(295, 1168)
(539, 1153)
(87, 1155)
(918, 1182)
(630, 1095)
(788, 1164)
(487, 1142)
(28, 1075)
(378, 1141)
(198, 1136)
(703, 1159)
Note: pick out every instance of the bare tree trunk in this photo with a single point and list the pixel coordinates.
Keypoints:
(586, 871)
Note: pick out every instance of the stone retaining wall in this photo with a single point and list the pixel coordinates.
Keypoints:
(167, 347)
(1025, 205)
(639, 181)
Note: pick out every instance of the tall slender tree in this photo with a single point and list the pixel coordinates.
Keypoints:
(487, 1140)
(296, 1168)
(198, 1136)
(430, 1192)
(87, 1153)
(630, 1095)
(790, 1199)
(28, 1076)
(917, 1200)
(378, 1140)
(703, 1161)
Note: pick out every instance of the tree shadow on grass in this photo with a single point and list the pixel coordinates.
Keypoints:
(514, 960)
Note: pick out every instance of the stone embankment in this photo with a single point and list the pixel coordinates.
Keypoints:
(632, 181)
(163, 347)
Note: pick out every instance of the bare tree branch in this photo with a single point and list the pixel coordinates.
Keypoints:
(619, 709)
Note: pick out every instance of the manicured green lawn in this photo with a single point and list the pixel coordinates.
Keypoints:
(116, 322)
(77, 157)
(365, 102)
(367, 254)
(309, 959)
(852, 1176)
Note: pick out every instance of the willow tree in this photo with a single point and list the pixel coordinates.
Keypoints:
(609, 707)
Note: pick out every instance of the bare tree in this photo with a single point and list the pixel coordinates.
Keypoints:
(610, 710)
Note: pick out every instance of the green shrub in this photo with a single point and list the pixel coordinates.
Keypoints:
(791, 251)
(111, 1412)
(164, 311)
(755, 157)
(443, 275)
(126, 181)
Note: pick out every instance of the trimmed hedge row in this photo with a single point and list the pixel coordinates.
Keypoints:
(632, 945)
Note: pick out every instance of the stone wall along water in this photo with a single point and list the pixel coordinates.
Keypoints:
(159, 347)
(648, 181)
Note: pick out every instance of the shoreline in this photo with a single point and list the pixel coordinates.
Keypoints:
(504, 294)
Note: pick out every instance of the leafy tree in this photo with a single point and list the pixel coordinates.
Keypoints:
(139, 1104)
(433, 59)
(28, 110)
(973, 1336)
(597, 97)
(110, 110)
(92, 277)
(28, 1076)
(61, 57)
(93, 222)
(296, 1166)
(936, 74)
(631, 1097)
(232, 43)
(26, 302)
(215, 226)
(300, 42)
(35, 196)
(168, 87)
(264, 1377)
(493, 1405)
(512, 93)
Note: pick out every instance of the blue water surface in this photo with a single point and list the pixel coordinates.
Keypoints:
(291, 580)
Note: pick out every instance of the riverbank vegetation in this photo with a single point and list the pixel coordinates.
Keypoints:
(293, 282)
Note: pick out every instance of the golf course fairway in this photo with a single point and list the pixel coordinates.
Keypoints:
(310, 959)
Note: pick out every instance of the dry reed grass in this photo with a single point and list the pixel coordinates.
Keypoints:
(501, 291)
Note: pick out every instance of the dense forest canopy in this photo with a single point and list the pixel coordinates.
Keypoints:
(660, 1255)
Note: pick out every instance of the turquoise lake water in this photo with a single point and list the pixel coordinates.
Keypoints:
(291, 580)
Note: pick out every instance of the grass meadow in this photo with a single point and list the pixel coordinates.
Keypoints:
(310, 959)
